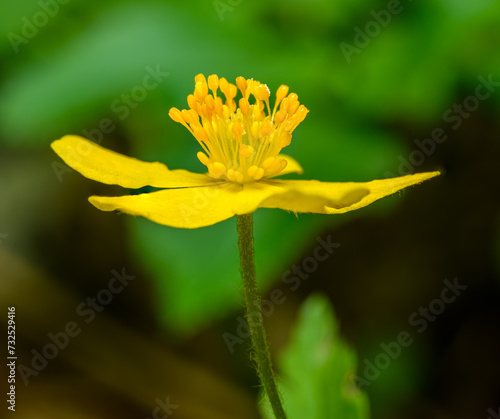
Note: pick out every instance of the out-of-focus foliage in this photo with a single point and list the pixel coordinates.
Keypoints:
(317, 368)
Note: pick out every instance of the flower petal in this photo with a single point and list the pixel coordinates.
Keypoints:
(292, 166)
(191, 207)
(337, 198)
(106, 166)
(206, 205)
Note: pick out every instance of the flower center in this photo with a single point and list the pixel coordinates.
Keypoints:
(241, 144)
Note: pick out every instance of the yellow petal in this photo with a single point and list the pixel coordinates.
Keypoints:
(191, 207)
(337, 198)
(292, 166)
(206, 205)
(106, 166)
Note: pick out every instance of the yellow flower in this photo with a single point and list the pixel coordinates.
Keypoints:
(241, 150)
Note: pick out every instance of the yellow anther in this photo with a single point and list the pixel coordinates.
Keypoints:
(255, 172)
(252, 170)
(201, 90)
(207, 113)
(237, 129)
(277, 166)
(242, 84)
(279, 117)
(213, 83)
(292, 108)
(234, 176)
(194, 116)
(202, 157)
(201, 134)
(218, 107)
(285, 139)
(289, 124)
(217, 169)
(190, 116)
(267, 163)
(244, 106)
(266, 127)
(223, 85)
(230, 92)
(246, 150)
(250, 87)
(281, 93)
(175, 114)
(239, 176)
(209, 101)
(192, 102)
(261, 92)
(259, 174)
(301, 113)
(200, 78)
(284, 105)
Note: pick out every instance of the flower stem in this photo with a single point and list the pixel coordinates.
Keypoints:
(260, 350)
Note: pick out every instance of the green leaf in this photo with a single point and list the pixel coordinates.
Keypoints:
(317, 369)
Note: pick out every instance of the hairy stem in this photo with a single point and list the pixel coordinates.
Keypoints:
(260, 350)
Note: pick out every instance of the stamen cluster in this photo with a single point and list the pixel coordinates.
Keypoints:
(241, 143)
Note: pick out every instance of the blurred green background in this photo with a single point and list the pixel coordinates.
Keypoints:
(380, 78)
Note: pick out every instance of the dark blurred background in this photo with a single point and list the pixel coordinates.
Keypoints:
(393, 88)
